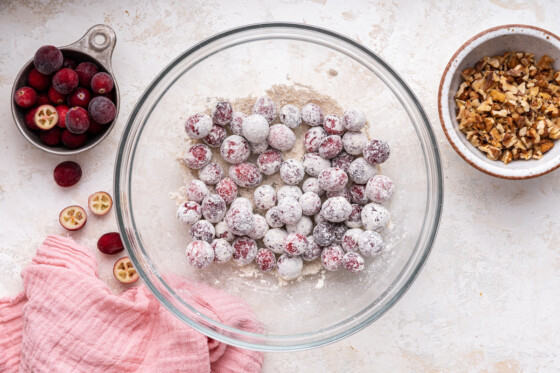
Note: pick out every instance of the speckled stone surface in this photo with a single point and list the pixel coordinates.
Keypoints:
(487, 299)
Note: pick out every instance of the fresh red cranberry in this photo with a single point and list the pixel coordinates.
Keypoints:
(62, 110)
(30, 119)
(80, 97)
(56, 97)
(43, 99)
(67, 174)
(51, 137)
(77, 120)
(38, 81)
(69, 63)
(330, 146)
(73, 141)
(48, 59)
(102, 110)
(25, 97)
(65, 81)
(86, 71)
(216, 136)
(222, 113)
(95, 128)
(110, 243)
(227, 189)
(266, 260)
(101, 83)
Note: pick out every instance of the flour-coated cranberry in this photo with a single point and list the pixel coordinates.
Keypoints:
(200, 254)
(265, 260)
(351, 239)
(25, 97)
(259, 228)
(264, 197)
(310, 203)
(292, 172)
(289, 210)
(235, 149)
(319, 219)
(380, 188)
(336, 209)
(273, 217)
(227, 189)
(323, 234)
(269, 162)
(355, 218)
(65, 81)
(289, 191)
(213, 208)
(340, 193)
(339, 231)
(202, 230)
(266, 107)
(358, 194)
(223, 251)
(37, 81)
(333, 179)
(244, 250)
(370, 243)
(196, 157)
(189, 212)
(354, 142)
(312, 114)
(255, 128)
(196, 191)
(375, 216)
(240, 220)
(198, 126)
(222, 113)
(313, 164)
(313, 251)
(216, 136)
(245, 175)
(258, 148)
(330, 147)
(313, 138)
(223, 231)
(353, 262)
(236, 122)
(361, 171)
(242, 202)
(343, 161)
(289, 267)
(281, 137)
(48, 59)
(274, 240)
(333, 125)
(290, 116)
(331, 257)
(354, 119)
(311, 184)
(376, 151)
(295, 244)
(86, 71)
(211, 174)
(304, 226)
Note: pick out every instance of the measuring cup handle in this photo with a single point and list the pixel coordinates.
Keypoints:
(99, 42)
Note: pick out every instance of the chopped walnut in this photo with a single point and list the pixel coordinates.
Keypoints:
(508, 106)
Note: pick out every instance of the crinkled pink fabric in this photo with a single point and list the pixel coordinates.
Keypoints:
(67, 320)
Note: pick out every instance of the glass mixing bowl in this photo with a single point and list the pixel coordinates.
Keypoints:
(320, 308)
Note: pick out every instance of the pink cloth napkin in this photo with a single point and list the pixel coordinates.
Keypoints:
(67, 320)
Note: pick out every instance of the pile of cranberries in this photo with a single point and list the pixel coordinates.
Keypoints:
(331, 206)
(65, 102)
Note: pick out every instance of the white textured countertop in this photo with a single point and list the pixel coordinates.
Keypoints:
(488, 297)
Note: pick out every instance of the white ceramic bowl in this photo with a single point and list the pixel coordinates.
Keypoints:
(492, 42)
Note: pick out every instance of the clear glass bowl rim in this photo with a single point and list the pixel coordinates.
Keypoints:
(263, 342)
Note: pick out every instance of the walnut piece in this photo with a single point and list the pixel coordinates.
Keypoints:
(509, 106)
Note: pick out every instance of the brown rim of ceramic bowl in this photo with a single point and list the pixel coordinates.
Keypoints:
(441, 87)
